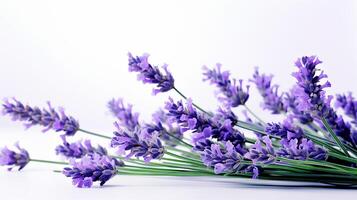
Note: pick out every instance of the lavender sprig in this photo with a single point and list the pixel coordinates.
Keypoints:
(125, 115)
(260, 153)
(202, 126)
(49, 118)
(139, 143)
(151, 74)
(311, 96)
(226, 160)
(14, 159)
(79, 149)
(91, 169)
(272, 100)
(232, 95)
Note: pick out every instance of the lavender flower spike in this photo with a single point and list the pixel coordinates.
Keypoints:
(139, 143)
(260, 153)
(124, 114)
(226, 159)
(232, 94)
(79, 149)
(311, 96)
(90, 169)
(50, 119)
(151, 74)
(269, 92)
(14, 159)
(310, 92)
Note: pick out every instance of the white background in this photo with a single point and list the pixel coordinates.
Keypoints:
(73, 53)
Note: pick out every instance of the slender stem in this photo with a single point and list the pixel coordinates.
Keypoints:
(252, 113)
(48, 161)
(199, 108)
(180, 140)
(95, 134)
(332, 133)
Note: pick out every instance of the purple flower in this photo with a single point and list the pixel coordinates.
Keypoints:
(262, 151)
(291, 101)
(14, 159)
(165, 127)
(203, 127)
(124, 114)
(310, 93)
(226, 159)
(232, 94)
(287, 130)
(348, 104)
(79, 149)
(50, 119)
(90, 169)
(311, 96)
(301, 149)
(151, 74)
(138, 143)
(272, 100)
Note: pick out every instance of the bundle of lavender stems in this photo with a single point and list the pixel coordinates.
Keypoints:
(312, 143)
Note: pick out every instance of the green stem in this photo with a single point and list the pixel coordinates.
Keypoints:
(334, 136)
(48, 161)
(95, 134)
(180, 140)
(252, 113)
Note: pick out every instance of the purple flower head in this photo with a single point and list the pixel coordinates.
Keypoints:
(165, 127)
(49, 118)
(14, 159)
(301, 149)
(124, 114)
(202, 126)
(311, 96)
(90, 169)
(151, 74)
(139, 143)
(232, 94)
(262, 151)
(79, 149)
(272, 100)
(348, 104)
(186, 115)
(225, 159)
(310, 93)
(285, 131)
(291, 101)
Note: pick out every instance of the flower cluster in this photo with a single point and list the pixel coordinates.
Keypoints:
(262, 151)
(49, 118)
(139, 143)
(272, 100)
(14, 159)
(293, 143)
(226, 160)
(311, 96)
(303, 147)
(151, 74)
(79, 149)
(203, 126)
(232, 94)
(90, 169)
(126, 118)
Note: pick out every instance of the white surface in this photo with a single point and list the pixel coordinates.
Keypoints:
(74, 54)
(35, 184)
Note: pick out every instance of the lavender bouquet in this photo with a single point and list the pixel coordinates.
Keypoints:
(313, 143)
